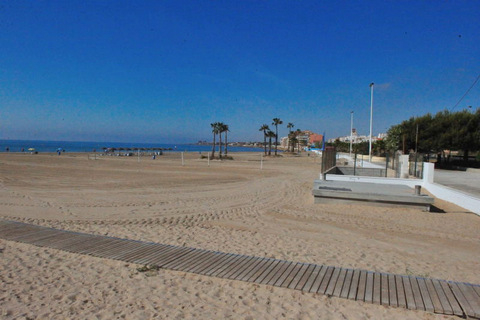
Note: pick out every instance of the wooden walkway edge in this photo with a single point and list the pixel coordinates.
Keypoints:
(417, 293)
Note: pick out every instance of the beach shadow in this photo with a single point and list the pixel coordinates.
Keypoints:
(435, 209)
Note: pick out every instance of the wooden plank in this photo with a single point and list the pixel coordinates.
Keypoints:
(121, 254)
(291, 275)
(447, 308)
(150, 259)
(213, 260)
(65, 244)
(293, 284)
(65, 236)
(97, 244)
(215, 264)
(369, 288)
(362, 285)
(106, 247)
(472, 298)
(278, 279)
(437, 305)
(340, 282)
(37, 238)
(148, 252)
(168, 257)
(427, 300)
(352, 294)
(225, 264)
(462, 300)
(20, 234)
(306, 276)
(254, 266)
(392, 291)
(377, 288)
(417, 295)
(241, 266)
(205, 255)
(477, 290)
(149, 255)
(232, 266)
(401, 300)
(407, 285)
(447, 289)
(347, 283)
(318, 279)
(263, 272)
(181, 260)
(384, 294)
(272, 276)
(27, 237)
(333, 281)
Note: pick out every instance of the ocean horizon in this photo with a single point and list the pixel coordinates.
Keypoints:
(98, 146)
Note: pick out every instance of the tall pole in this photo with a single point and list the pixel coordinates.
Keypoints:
(351, 132)
(371, 123)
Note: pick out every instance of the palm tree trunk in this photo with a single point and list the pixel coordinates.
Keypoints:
(269, 146)
(213, 148)
(265, 141)
(220, 144)
(276, 138)
(226, 143)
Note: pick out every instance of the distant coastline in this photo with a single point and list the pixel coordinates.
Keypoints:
(95, 146)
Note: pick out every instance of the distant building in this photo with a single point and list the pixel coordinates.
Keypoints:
(358, 139)
(305, 138)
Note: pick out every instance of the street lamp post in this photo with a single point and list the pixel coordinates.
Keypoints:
(371, 122)
(351, 132)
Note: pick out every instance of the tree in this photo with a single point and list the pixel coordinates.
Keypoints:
(220, 126)
(264, 128)
(289, 126)
(225, 129)
(214, 131)
(270, 135)
(276, 122)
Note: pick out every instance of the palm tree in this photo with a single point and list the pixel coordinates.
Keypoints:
(289, 126)
(270, 135)
(214, 131)
(276, 122)
(226, 129)
(264, 128)
(220, 126)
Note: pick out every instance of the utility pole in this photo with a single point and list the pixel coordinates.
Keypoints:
(351, 132)
(371, 122)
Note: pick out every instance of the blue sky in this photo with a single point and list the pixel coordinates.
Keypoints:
(162, 71)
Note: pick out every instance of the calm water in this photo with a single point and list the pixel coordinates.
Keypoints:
(88, 146)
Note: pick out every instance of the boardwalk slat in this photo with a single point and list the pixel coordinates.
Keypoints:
(176, 254)
(272, 275)
(98, 244)
(232, 266)
(427, 300)
(477, 290)
(206, 255)
(32, 235)
(220, 267)
(19, 236)
(462, 300)
(254, 265)
(472, 298)
(293, 273)
(261, 274)
(174, 264)
(447, 308)
(417, 295)
(437, 305)
(303, 281)
(401, 301)
(125, 250)
(210, 268)
(377, 288)
(65, 236)
(152, 258)
(409, 293)
(239, 267)
(384, 296)
(65, 244)
(211, 264)
(213, 259)
(318, 279)
(346, 285)
(106, 247)
(257, 270)
(299, 277)
(392, 290)
(352, 294)
(340, 282)
(278, 279)
(333, 281)
(369, 288)
(39, 237)
(362, 284)
(149, 251)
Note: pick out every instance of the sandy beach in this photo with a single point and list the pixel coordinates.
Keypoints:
(229, 206)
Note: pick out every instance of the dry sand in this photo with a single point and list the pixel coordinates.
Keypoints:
(229, 206)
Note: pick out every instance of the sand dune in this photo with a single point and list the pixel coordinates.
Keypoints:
(229, 206)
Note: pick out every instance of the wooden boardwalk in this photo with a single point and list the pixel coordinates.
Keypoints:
(438, 296)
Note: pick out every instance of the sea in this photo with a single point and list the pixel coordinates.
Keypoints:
(91, 146)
